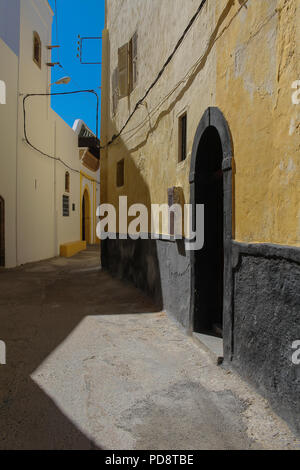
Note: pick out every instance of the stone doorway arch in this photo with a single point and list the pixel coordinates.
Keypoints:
(211, 268)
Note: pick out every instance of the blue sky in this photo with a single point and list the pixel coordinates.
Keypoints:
(84, 17)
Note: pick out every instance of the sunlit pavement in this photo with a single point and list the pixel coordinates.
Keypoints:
(92, 364)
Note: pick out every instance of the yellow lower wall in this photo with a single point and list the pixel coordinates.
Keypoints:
(67, 250)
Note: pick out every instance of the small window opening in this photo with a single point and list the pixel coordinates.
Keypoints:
(120, 173)
(37, 49)
(67, 182)
(182, 137)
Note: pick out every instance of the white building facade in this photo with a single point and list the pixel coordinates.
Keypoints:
(49, 196)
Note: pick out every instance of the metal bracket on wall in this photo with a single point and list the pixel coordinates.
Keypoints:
(80, 47)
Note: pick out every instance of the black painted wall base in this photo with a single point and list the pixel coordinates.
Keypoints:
(265, 310)
(158, 267)
(266, 322)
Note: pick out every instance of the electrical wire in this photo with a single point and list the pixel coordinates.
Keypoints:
(134, 130)
(53, 94)
(156, 108)
(179, 42)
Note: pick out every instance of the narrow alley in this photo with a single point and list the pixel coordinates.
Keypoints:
(91, 364)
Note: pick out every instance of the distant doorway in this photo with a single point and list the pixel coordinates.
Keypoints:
(86, 217)
(2, 232)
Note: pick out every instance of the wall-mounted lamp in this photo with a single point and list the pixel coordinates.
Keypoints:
(62, 81)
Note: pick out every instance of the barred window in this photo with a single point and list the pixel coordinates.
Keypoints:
(66, 206)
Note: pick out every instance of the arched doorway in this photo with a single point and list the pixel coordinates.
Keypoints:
(86, 217)
(2, 232)
(209, 262)
(211, 185)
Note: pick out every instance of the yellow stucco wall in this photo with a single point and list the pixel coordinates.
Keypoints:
(239, 56)
(254, 91)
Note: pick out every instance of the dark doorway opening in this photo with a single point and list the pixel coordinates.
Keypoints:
(209, 262)
(2, 232)
(83, 219)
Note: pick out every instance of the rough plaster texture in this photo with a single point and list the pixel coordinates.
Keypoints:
(240, 56)
(92, 364)
(257, 64)
(266, 323)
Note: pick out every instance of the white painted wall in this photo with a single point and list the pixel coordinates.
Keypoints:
(68, 228)
(35, 173)
(8, 138)
(32, 184)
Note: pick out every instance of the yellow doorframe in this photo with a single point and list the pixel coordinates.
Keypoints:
(94, 183)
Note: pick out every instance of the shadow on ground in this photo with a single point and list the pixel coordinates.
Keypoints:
(40, 305)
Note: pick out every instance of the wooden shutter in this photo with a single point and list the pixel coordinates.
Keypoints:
(133, 62)
(115, 91)
(123, 71)
(134, 59)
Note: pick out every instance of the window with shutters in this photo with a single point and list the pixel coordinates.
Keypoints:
(115, 91)
(128, 67)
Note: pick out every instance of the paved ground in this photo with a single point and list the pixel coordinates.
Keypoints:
(92, 364)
